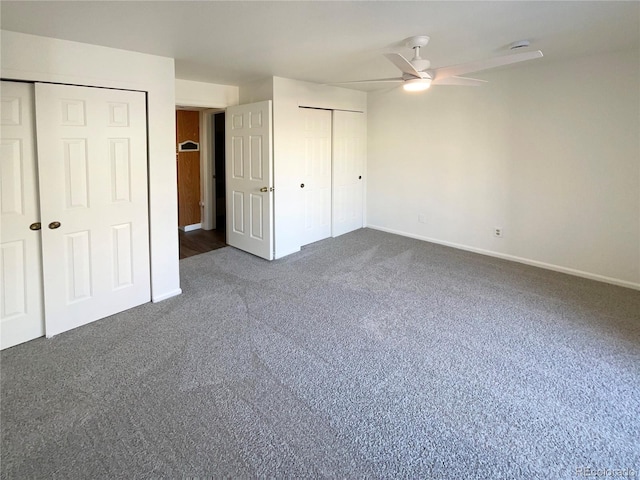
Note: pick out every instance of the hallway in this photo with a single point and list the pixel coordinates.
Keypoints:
(200, 241)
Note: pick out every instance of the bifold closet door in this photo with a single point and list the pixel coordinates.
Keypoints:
(21, 315)
(92, 169)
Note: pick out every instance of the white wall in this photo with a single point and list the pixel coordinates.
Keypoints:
(288, 147)
(209, 95)
(257, 91)
(549, 152)
(33, 58)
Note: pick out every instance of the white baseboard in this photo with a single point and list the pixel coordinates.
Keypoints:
(279, 255)
(164, 296)
(513, 258)
(189, 228)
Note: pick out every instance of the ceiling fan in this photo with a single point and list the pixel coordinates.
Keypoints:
(417, 76)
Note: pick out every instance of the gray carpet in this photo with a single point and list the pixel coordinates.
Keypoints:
(365, 356)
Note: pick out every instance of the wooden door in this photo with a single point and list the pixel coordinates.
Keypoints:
(349, 151)
(316, 174)
(21, 316)
(188, 135)
(249, 170)
(92, 163)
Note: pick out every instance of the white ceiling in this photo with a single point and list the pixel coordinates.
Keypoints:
(327, 41)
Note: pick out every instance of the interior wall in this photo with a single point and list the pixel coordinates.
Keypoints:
(288, 147)
(256, 91)
(548, 152)
(34, 58)
(201, 94)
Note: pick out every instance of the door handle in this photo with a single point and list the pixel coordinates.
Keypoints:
(35, 226)
(54, 225)
(264, 189)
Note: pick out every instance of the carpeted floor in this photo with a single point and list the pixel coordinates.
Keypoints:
(365, 356)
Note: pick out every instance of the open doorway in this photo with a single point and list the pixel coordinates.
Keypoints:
(219, 191)
(209, 188)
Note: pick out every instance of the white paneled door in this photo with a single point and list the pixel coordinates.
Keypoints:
(249, 176)
(21, 314)
(92, 168)
(349, 151)
(316, 179)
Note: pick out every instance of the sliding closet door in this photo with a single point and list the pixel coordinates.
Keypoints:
(21, 313)
(93, 192)
(316, 178)
(349, 151)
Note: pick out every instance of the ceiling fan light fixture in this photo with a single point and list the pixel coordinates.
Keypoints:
(416, 84)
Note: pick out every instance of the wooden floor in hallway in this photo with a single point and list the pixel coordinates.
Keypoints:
(200, 241)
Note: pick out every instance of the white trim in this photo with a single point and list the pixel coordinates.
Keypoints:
(190, 228)
(513, 258)
(281, 255)
(207, 168)
(167, 295)
(305, 105)
(206, 172)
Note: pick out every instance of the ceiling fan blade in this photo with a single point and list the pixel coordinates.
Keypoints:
(403, 64)
(375, 80)
(463, 81)
(456, 70)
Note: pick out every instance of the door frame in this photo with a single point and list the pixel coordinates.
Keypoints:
(207, 167)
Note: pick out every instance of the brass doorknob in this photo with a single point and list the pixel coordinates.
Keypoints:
(54, 225)
(264, 189)
(35, 226)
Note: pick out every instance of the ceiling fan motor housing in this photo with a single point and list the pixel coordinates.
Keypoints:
(420, 64)
(416, 41)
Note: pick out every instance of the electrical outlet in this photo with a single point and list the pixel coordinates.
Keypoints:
(497, 232)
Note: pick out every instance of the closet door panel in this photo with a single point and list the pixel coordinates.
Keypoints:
(21, 315)
(93, 187)
(316, 174)
(349, 151)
